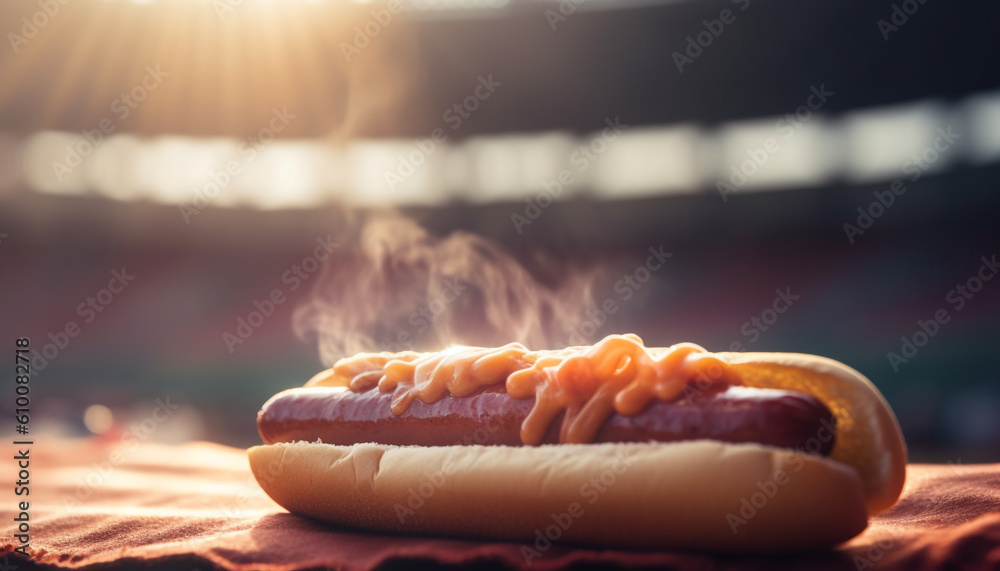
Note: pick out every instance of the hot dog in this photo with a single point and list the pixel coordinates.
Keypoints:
(688, 436)
(336, 415)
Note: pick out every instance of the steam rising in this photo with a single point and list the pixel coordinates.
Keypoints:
(395, 287)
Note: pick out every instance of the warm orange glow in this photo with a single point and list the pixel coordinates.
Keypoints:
(98, 418)
(222, 66)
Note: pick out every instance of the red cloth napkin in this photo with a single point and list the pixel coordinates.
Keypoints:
(112, 505)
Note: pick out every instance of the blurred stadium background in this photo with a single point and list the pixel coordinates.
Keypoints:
(119, 120)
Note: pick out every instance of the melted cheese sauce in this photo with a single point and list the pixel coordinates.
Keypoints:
(589, 384)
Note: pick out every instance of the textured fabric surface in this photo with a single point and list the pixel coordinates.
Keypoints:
(109, 505)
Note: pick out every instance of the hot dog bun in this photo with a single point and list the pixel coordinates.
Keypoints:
(693, 495)
(868, 435)
(655, 495)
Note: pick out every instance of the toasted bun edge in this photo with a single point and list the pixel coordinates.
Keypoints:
(868, 435)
